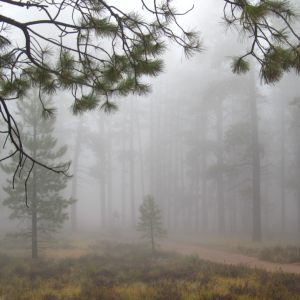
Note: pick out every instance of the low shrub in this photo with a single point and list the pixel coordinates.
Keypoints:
(279, 254)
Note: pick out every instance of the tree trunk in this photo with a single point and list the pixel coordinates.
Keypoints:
(170, 189)
(296, 126)
(196, 178)
(203, 169)
(124, 170)
(176, 186)
(257, 233)
(266, 215)
(75, 176)
(220, 183)
(158, 158)
(34, 228)
(141, 151)
(233, 209)
(132, 192)
(298, 208)
(102, 175)
(151, 159)
(152, 237)
(108, 151)
(182, 182)
(282, 167)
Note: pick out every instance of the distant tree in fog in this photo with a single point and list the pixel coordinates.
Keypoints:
(150, 221)
(44, 212)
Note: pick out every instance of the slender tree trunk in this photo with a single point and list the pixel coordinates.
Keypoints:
(267, 198)
(282, 167)
(176, 171)
(296, 127)
(158, 158)
(233, 179)
(257, 232)
(132, 192)
(298, 208)
(197, 196)
(170, 191)
(34, 246)
(220, 183)
(203, 169)
(124, 170)
(109, 172)
(140, 150)
(102, 175)
(182, 183)
(152, 237)
(151, 160)
(233, 209)
(75, 176)
(196, 176)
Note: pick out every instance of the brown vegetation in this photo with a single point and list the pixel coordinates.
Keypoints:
(111, 270)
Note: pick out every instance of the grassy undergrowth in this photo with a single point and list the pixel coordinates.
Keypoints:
(112, 271)
(281, 254)
(273, 250)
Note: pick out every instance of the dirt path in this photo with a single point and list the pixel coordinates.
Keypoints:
(229, 258)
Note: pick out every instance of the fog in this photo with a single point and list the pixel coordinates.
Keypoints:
(189, 144)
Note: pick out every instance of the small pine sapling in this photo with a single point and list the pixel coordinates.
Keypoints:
(150, 222)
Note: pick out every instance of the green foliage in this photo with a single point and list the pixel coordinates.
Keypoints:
(254, 13)
(274, 46)
(132, 49)
(239, 66)
(109, 107)
(277, 61)
(150, 221)
(88, 102)
(44, 187)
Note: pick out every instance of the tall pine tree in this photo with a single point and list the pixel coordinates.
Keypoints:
(44, 212)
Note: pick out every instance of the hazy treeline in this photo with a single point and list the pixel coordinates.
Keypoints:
(192, 149)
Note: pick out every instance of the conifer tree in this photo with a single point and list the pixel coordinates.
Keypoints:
(150, 221)
(44, 212)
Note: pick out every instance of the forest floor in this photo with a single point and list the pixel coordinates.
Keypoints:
(88, 267)
(229, 258)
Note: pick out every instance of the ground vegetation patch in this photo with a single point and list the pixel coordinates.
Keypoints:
(113, 270)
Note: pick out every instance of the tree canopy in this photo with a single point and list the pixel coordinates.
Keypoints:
(97, 52)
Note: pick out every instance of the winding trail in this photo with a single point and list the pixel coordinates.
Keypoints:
(229, 258)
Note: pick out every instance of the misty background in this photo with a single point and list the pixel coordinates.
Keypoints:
(188, 143)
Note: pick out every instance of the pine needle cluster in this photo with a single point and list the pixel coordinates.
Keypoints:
(273, 45)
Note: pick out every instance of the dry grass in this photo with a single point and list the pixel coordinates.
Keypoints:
(284, 247)
(87, 268)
